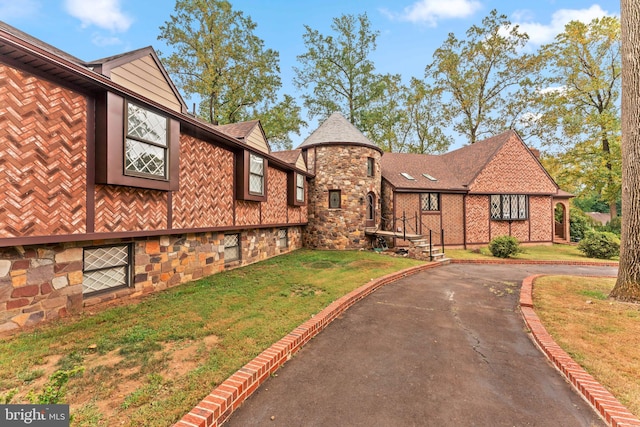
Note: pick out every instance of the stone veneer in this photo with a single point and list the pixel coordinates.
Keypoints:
(341, 167)
(44, 282)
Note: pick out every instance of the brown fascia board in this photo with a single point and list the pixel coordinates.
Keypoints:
(100, 82)
(359, 144)
(429, 190)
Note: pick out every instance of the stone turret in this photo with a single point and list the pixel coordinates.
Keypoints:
(344, 196)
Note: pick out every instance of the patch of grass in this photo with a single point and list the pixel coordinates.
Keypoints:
(602, 335)
(555, 252)
(128, 350)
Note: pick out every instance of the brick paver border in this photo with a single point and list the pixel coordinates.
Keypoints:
(603, 402)
(218, 406)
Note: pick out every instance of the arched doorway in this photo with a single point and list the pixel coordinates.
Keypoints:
(371, 210)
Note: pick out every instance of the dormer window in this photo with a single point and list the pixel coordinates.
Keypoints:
(146, 148)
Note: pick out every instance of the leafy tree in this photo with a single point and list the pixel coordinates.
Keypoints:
(336, 72)
(481, 76)
(386, 121)
(423, 104)
(580, 110)
(217, 57)
(627, 286)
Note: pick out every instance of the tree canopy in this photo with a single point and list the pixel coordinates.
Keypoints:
(482, 75)
(217, 57)
(580, 110)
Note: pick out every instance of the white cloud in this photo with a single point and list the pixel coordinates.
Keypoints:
(100, 40)
(101, 13)
(12, 9)
(544, 33)
(431, 11)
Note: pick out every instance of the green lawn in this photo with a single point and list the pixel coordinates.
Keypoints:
(555, 252)
(150, 362)
(600, 334)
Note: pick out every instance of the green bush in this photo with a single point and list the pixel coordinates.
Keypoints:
(614, 226)
(504, 246)
(600, 244)
(579, 224)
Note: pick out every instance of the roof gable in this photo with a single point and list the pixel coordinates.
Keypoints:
(251, 133)
(292, 157)
(501, 164)
(337, 130)
(513, 168)
(142, 72)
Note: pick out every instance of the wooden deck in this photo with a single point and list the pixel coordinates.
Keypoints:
(375, 232)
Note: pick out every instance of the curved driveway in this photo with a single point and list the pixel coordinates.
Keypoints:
(445, 347)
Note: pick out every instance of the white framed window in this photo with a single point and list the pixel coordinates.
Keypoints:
(299, 188)
(509, 207)
(283, 238)
(105, 268)
(256, 174)
(231, 247)
(146, 151)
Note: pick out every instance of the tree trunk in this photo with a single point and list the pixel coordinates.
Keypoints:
(627, 286)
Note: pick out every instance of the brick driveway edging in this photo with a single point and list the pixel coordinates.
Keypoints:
(603, 402)
(217, 407)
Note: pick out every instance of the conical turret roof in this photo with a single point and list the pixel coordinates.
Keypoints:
(337, 130)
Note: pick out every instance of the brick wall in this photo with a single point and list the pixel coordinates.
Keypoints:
(513, 170)
(542, 220)
(452, 206)
(205, 197)
(44, 282)
(129, 209)
(344, 168)
(477, 220)
(43, 160)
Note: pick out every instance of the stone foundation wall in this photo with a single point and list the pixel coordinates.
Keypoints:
(44, 282)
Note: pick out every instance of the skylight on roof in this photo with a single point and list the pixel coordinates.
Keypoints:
(407, 176)
(429, 177)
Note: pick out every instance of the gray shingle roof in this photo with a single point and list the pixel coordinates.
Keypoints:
(336, 129)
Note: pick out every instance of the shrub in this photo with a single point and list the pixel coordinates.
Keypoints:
(600, 244)
(504, 246)
(614, 226)
(579, 224)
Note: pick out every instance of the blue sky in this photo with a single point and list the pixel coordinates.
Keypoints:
(410, 30)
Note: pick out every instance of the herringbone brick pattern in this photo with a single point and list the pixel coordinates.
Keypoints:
(43, 162)
(452, 218)
(247, 213)
(275, 211)
(129, 209)
(515, 170)
(477, 219)
(540, 211)
(205, 198)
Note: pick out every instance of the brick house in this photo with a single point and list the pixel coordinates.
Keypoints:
(111, 190)
(471, 195)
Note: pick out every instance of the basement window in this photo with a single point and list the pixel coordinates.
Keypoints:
(106, 268)
(231, 247)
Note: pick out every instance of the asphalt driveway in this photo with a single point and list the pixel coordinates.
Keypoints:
(446, 347)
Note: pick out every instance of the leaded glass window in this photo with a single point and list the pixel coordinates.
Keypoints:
(256, 174)
(231, 247)
(282, 237)
(430, 201)
(334, 199)
(299, 188)
(146, 143)
(105, 268)
(509, 206)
